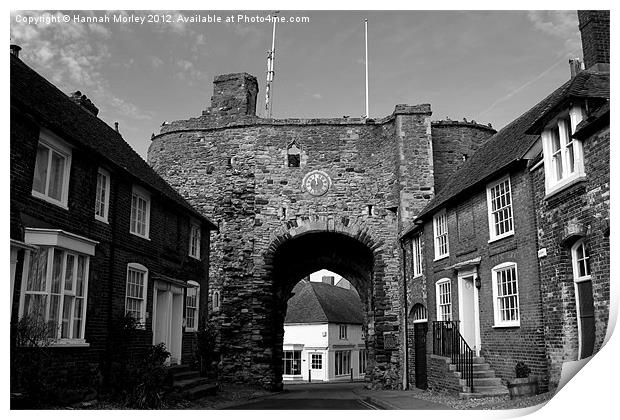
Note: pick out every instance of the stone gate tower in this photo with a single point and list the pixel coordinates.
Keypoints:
(293, 196)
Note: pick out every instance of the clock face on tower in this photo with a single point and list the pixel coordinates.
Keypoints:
(316, 183)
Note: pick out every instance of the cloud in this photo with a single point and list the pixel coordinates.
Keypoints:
(317, 96)
(560, 24)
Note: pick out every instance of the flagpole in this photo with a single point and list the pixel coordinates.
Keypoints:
(366, 46)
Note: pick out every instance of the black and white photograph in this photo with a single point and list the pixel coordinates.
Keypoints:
(279, 209)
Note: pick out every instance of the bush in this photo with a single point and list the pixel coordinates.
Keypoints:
(522, 370)
(205, 349)
(137, 375)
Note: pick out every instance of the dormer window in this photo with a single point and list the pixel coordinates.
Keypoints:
(563, 155)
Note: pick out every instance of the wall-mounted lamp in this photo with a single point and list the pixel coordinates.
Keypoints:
(478, 282)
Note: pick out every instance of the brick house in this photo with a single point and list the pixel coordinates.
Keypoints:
(501, 251)
(96, 234)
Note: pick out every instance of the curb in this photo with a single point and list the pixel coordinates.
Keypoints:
(233, 404)
(380, 403)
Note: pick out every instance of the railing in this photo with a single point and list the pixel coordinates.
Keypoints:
(448, 342)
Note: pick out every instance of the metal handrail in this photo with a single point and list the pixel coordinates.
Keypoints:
(448, 342)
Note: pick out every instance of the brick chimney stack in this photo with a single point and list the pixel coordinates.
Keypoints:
(594, 27)
(84, 102)
(234, 94)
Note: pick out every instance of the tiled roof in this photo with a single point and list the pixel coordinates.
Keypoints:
(511, 143)
(55, 110)
(315, 302)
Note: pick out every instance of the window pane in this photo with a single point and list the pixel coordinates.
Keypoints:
(38, 270)
(77, 318)
(69, 272)
(66, 316)
(57, 169)
(35, 305)
(79, 291)
(40, 169)
(57, 271)
(54, 315)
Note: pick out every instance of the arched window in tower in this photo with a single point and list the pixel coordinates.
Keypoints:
(216, 301)
(293, 155)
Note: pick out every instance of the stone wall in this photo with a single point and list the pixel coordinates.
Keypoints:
(235, 170)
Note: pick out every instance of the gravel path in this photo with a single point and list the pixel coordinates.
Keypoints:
(488, 403)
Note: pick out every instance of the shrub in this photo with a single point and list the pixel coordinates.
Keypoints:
(522, 370)
(205, 349)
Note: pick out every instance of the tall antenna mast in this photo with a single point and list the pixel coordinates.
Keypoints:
(271, 56)
(366, 42)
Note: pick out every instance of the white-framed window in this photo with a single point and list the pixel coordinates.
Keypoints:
(194, 240)
(416, 253)
(581, 261)
(443, 292)
(292, 362)
(562, 155)
(215, 300)
(363, 355)
(52, 169)
(55, 287)
(342, 360)
(192, 299)
(343, 332)
(135, 295)
(316, 361)
(440, 230)
(140, 212)
(102, 199)
(506, 295)
(499, 201)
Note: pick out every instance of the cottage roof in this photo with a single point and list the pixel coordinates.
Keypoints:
(53, 109)
(315, 302)
(512, 142)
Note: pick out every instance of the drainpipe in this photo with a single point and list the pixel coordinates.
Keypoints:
(406, 341)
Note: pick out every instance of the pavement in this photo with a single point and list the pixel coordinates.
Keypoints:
(338, 396)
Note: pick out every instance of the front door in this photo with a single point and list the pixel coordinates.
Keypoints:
(316, 366)
(168, 318)
(419, 339)
(585, 311)
(469, 324)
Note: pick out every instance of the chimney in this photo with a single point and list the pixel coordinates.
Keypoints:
(328, 280)
(594, 27)
(116, 126)
(575, 66)
(84, 102)
(15, 49)
(234, 94)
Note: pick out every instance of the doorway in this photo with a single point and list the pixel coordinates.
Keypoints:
(316, 366)
(168, 318)
(469, 314)
(585, 318)
(419, 339)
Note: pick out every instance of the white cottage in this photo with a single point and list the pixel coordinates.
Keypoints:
(323, 336)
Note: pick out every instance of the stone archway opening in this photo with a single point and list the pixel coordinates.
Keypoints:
(293, 261)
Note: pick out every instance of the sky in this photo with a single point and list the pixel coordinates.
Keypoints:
(489, 66)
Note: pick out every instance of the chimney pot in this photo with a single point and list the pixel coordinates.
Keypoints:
(116, 126)
(575, 66)
(15, 49)
(84, 102)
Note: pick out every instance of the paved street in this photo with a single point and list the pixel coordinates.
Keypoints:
(335, 396)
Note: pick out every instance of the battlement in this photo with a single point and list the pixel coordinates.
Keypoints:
(464, 123)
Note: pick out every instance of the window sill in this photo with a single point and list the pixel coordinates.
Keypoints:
(194, 258)
(550, 192)
(102, 220)
(140, 236)
(505, 235)
(64, 344)
(517, 325)
(415, 276)
(441, 257)
(50, 200)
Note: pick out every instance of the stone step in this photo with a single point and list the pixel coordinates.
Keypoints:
(479, 359)
(491, 389)
(178, 369)
(482, 393)
(481, 366)
(185, 384)
(200, 391)
(484, 373)
(189, 374)
(483, 382)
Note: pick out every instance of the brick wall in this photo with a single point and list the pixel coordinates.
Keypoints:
(585, 204)
(165, 253)
(468, 229)
(594, 27)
